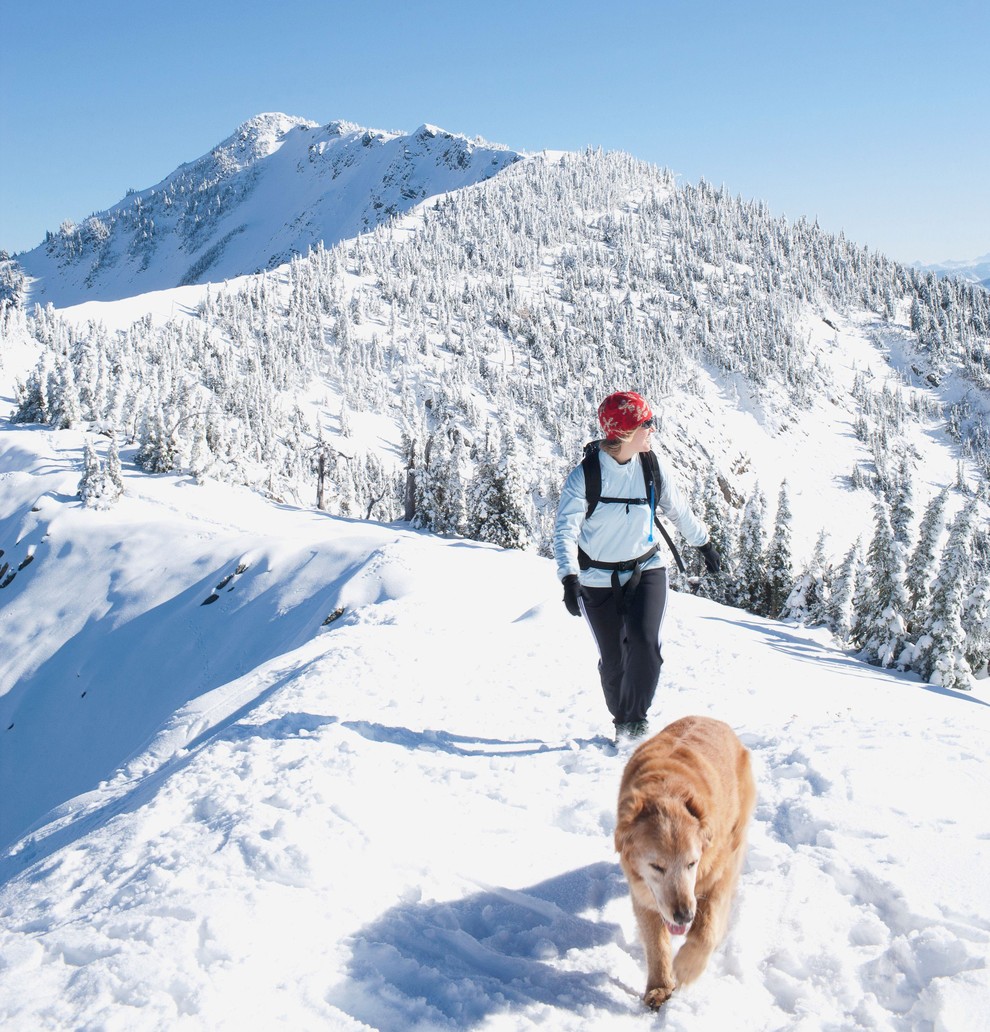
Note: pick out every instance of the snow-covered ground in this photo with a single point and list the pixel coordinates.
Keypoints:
(233, 815)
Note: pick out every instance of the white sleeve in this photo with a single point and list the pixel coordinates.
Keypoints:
(570, 518)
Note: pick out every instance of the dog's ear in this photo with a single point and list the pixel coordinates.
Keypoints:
(631, 806)
(698, 813)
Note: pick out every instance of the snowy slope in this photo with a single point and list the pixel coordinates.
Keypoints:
(274, 189)
(402, 819)
(534, 294)
(753, 444)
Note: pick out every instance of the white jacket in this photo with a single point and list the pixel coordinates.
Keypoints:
(612, 534)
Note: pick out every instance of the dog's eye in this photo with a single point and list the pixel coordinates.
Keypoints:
(659, 869)
(694, 863)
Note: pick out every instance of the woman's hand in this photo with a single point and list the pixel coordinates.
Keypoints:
(572, 592)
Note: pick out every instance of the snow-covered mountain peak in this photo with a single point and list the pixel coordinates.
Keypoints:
(257, 138)
(340, 127)
(276, 187)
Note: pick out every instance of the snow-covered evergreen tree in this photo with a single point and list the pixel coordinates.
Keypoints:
(33, 405)
(976, 623)
(440, 487)
(780, 574)
(714, 513)
(496, 510)
(941, 657)
(101, 483)
(882, 627)
(751, 576)
(901, 511)
(345, 420)
(808, 600)
(157, 445)
(921, 566)
(200, 458)
(114, 485)
(840, 606)
(861, 614)
(91, 481)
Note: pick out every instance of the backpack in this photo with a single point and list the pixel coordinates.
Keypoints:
(653, 484)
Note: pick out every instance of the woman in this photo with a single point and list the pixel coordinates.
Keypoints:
(610, 561)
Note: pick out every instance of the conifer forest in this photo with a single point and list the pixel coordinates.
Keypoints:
(484, 327)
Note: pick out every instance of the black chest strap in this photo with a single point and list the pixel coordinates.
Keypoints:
(591, 464)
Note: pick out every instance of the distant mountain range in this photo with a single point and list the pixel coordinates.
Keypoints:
(275, 188)
(975, 271)
(278, 186)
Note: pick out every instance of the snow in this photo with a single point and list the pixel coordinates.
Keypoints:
(263, 767)
(278, 186)
(755, 444)
(161, 306)
(234, 815)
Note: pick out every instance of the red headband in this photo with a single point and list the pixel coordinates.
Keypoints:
(622, 412)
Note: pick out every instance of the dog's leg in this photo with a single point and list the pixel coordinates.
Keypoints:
(656, 940)
(710, 925)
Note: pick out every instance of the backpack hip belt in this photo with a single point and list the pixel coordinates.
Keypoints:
(622, 593)
(585, 562)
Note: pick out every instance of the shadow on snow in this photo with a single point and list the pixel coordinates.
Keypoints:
(781, 639)
(453, 964)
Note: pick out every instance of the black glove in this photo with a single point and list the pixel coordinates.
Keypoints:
(572, 592)
(712, 561)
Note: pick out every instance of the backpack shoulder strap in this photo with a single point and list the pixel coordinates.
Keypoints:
(651, 476)
(654, 487)
(651, 472)
(592, 476)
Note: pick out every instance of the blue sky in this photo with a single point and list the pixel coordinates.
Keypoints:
(871, 116)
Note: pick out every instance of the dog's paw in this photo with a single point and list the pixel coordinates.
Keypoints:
(690, 961)
(656, 998)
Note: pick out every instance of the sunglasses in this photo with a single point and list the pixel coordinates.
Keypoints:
(651, 423)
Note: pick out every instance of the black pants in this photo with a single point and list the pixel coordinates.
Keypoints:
(628, 644)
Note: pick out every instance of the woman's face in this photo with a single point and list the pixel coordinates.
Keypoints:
(643, 435)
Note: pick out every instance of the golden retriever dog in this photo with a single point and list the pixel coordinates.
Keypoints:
(686, 797)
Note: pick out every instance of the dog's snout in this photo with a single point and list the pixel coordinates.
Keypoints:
(684, 915)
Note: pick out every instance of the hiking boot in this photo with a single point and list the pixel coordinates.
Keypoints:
(633, 730)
